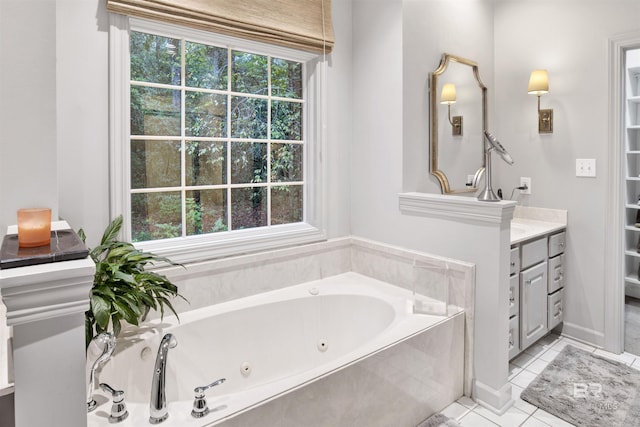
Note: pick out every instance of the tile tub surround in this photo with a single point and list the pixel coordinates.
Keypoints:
(413, 378)
(221, 280)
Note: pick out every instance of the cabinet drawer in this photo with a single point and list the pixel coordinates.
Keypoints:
(514, 265)
(557, 243)
(514, 337)
(555, 309)
(514, 296)
(556, 273)
(533, 253)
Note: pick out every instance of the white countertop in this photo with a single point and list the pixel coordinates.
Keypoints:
(529, 223)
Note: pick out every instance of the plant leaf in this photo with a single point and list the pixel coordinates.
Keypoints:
(101, 310)
(112, 230)
(128, 278)
(88, 327)
(125, 312)
(82, 236)
(104, 291)
(165, 302)
(115, 321)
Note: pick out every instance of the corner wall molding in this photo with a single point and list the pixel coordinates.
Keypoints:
(456, 207)
(42, 292)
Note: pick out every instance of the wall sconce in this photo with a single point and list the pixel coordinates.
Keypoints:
(539, 84)
(448, 96)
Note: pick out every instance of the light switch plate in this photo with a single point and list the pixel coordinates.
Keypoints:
(586, 167)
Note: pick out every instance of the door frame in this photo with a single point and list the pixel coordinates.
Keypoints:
(614, 292)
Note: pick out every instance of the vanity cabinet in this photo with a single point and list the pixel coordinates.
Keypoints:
(536, 290)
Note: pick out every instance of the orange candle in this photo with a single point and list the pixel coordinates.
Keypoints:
(34, 227)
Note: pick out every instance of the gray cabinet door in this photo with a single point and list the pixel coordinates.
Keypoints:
(533, 304)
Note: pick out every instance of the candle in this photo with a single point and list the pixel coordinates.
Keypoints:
(34, 227)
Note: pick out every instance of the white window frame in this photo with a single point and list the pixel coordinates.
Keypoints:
(228, 243)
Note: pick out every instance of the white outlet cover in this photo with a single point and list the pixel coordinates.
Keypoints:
(525, 180)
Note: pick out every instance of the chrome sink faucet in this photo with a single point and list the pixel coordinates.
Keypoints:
(158, 404)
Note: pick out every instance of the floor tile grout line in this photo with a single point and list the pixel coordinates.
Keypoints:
(482, 416)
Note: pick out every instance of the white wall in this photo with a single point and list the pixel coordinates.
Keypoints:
(339, 122)
(82, 71)
(376, 147)
(54, 120)
(28, 143)
(395, 45)
(570, 39)
(431, 28)
(53, 111)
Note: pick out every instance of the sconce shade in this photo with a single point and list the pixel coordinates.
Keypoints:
(538, 82)
(448, 95)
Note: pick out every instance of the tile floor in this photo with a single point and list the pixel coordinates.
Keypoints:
(522, 370)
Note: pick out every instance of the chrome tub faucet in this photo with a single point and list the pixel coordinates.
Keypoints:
(99, 351)
(158, 403)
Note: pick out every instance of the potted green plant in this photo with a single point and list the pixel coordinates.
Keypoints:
(123, 290)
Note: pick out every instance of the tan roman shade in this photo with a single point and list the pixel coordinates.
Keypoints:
(300, 24)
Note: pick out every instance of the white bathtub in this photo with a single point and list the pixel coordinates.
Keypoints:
(267, 346)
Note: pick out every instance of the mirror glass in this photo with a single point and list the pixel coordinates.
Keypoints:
(457, 156)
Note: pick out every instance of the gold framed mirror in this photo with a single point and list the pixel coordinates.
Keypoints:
(456, 141)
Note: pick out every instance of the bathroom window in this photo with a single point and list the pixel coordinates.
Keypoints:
(215, 152)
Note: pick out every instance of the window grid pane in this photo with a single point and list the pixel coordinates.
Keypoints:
(233, 139)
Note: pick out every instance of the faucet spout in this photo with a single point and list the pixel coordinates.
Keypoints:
(99, 351)
(158, 404)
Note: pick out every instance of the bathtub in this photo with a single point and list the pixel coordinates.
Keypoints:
(283, 354)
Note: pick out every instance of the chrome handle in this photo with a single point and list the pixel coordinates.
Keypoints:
(199, 391)
(200, 408)
(118, 408)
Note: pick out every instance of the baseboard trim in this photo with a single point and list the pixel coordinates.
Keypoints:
(497, 401)
(580, 333)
